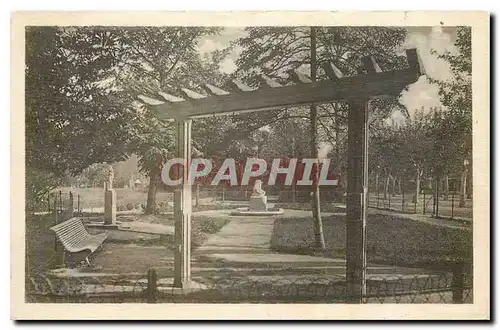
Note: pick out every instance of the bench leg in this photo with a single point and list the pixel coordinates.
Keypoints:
(88, 261)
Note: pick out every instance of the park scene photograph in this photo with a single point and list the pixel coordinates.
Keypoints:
(259, 164)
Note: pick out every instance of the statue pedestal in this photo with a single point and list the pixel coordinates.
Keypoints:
(109, 207)
(258, 203)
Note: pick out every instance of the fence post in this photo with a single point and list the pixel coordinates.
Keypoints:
(433, 202)
(60, 200)
(78, 204)
(423, 207)
(152, 286)
(390, 201)
(458, 282)
(403, 199)
(378, 197)
(55, 220)
(70, 204)
(55, 212)
(58, 252)
(452, 203)
(436, 214)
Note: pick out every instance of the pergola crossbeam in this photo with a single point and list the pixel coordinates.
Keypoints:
(384, 83)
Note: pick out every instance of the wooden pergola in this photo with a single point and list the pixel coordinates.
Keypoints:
(356, 91)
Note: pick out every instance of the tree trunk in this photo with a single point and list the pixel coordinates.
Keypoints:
(337, 139)
(436, 196)
(417, 181)
(153, 187)
(315, 199)
(386, 188)
(446, 188)
(393, 186)
(399, 185)
(294, 184)
(197, 195)
(469, 185)
(376, 183)
(463, 188)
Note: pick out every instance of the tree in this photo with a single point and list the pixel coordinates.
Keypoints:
(153, 150)
(384, 154)
(313, 124)
(275, 51)
(162, 59)
(456, 96)
(416, 145)
(72, 121)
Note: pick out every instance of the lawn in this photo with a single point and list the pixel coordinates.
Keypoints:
(94, 197)
(390, 239)
(40, 241)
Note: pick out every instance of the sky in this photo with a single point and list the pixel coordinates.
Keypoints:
(420, 94)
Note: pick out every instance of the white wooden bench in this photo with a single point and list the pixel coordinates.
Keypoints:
(75, 238)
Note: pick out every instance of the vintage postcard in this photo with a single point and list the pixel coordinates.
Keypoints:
(251, 165)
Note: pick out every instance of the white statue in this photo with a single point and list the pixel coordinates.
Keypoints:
(257, 189)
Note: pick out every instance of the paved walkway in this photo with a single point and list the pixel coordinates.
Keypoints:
(241, 234)
(244, 245)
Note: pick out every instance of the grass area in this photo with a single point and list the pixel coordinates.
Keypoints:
(40, 241)
(40, 244)
(390, 240)
(94, 197)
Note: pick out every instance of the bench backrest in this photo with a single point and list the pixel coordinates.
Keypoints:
(70, 231)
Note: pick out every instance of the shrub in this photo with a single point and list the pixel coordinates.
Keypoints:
(163, 207)
(209, 226)
(197, 238)
(130, 206)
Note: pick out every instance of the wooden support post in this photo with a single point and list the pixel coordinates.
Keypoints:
(182, 207)
(152, 286)
(458, 282)
(357, 188)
